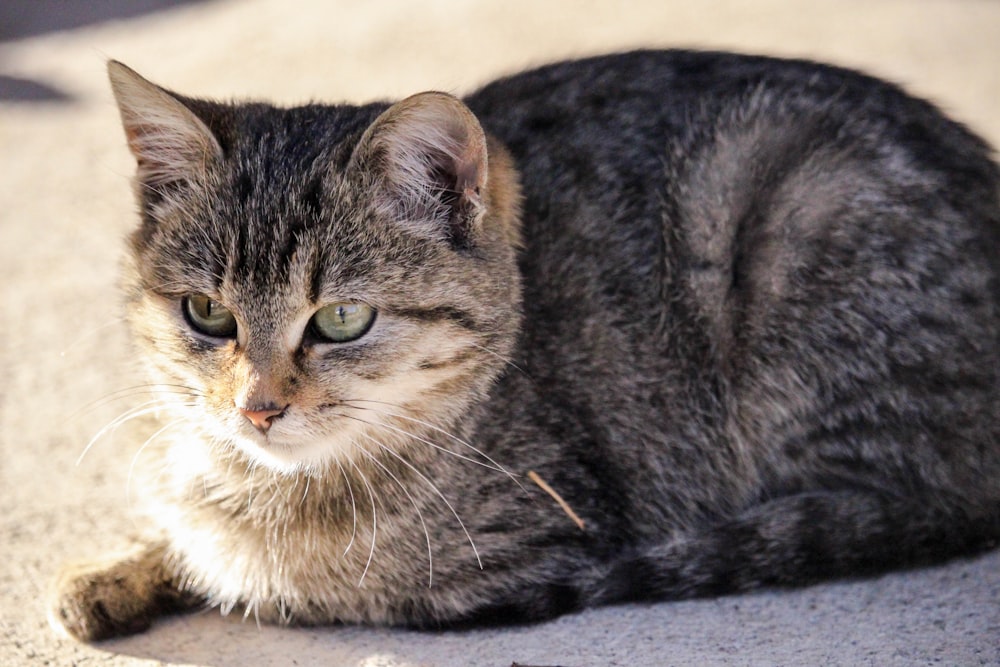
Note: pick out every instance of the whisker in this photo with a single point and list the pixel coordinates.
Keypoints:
(137, 390)
(306, 491)
(502, 358)
(135, 458)
(82, 337)
(371, 497)
(493, 464)
(354, 509)
(417, 437)
(148, 407)
(436, 490)
(250, 473)
(420, 515)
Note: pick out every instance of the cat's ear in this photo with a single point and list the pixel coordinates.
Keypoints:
(428, 153)
(170, 143)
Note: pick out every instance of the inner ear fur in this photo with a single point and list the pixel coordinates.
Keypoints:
(428, 154)
(170, 143)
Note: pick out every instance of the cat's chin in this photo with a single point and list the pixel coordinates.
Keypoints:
(288, 457)
(288, 449)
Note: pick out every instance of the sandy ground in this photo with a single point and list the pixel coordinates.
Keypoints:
(65, 207)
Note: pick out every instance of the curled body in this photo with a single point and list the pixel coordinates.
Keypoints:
(741, 315)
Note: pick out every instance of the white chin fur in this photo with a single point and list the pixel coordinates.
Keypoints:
(282, 457)
(289, 447)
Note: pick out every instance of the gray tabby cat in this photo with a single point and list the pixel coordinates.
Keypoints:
(740, 316)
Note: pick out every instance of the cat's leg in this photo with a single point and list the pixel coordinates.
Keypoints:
(797, 540)
(119, 595)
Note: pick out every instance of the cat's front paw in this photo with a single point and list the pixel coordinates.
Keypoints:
(118, 596)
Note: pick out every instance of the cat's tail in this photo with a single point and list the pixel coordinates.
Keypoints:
(797, 540)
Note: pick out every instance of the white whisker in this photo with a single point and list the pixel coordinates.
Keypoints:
(81, 338)
(354, 509)
(371, 496)
(251, 472)
(306, 491)
(501, 358)
(284, 613)
(135, 458)
(420, 515)
(436, 490)
(418, 438)
(149, 407)
(167, 390)
(493, 465)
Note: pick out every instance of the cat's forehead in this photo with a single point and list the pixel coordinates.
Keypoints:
(293, 135)
(286, 212)
(281, 249)
(284, 261)
(277, 207)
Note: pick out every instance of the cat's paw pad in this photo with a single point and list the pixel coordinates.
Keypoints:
(98, 601)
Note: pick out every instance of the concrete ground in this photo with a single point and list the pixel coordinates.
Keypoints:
(65, 207)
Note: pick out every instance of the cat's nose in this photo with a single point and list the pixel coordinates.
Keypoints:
(261, 418)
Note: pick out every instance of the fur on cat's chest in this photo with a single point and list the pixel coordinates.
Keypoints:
(261, 549)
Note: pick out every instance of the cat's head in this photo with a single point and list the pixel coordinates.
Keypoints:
(318, 281)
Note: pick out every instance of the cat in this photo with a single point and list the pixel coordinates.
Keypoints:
(638, 327)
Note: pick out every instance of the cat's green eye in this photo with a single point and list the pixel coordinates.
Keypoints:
(209, 317)
(343, 322)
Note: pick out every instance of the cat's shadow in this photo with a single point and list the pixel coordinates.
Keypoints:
(19, 20)
(841, 622)
(207, 639)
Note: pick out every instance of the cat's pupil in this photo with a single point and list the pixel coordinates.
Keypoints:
(342, 322)
(209, 317)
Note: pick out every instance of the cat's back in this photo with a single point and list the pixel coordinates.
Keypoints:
(640, 169)
(728, 248)
(645, 98)
(637, 119)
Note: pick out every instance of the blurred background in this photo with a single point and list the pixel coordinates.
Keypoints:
(359, 49)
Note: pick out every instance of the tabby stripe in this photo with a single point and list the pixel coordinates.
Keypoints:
(315, 277)
(461, 357)
(455, 315)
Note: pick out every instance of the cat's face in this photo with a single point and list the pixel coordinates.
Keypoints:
(318, 283)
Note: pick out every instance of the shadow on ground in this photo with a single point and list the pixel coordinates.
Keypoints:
(20, 19)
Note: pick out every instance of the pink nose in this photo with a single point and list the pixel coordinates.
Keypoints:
(261, 419)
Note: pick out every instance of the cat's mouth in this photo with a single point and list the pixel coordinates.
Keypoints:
(287, 446)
